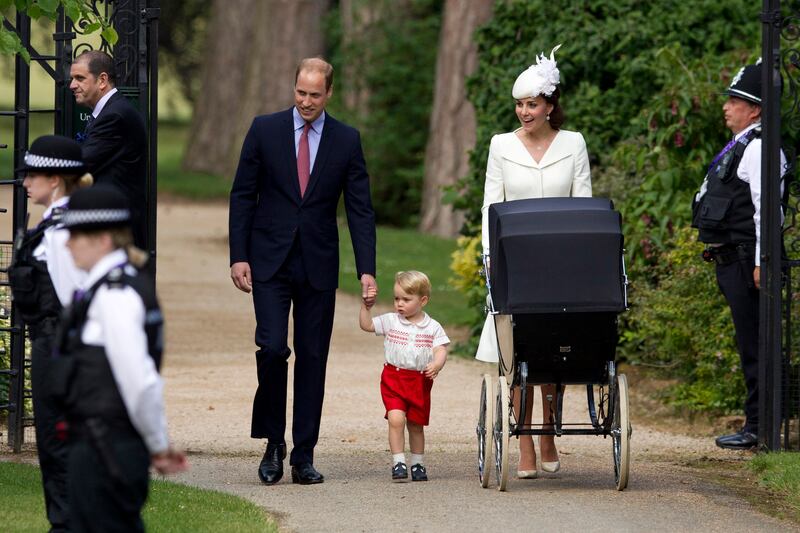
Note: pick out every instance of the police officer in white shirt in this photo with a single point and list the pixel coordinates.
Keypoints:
(727, 213)
(110, 343)
(43, 277)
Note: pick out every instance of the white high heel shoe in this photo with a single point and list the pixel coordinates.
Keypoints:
(552, 467)
(527, 474)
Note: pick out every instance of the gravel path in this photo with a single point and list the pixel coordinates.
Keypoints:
(210, 380)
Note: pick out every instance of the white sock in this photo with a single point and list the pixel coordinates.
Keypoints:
(417, 459)
(398, 458)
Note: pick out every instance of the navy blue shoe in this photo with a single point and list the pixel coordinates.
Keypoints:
(399, 472)
(418, 473)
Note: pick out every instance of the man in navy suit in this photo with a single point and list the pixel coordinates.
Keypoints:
(115, 142)
(284, 247)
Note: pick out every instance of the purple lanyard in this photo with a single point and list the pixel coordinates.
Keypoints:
(722, 153)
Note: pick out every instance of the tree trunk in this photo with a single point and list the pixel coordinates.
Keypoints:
(452, 127)
(356, 17)
(253, 50)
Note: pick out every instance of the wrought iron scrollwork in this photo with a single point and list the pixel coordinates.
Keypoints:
(124, 16)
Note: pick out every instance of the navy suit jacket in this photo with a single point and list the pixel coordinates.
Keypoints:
(267, 213)
(115, 150)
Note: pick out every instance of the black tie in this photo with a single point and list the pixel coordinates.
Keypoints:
(89, 122)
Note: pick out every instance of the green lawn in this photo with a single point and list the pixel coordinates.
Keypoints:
(171, 507)
(405, 249)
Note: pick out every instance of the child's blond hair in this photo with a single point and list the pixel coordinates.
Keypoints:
(414, 282)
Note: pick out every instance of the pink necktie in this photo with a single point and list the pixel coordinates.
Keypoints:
(303, 160)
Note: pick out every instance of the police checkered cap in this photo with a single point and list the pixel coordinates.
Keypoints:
(99, 207)
(53, 153)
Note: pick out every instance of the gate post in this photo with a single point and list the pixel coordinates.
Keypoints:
(769, 382)
(16, 392)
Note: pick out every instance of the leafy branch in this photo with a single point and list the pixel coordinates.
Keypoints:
(76, 10)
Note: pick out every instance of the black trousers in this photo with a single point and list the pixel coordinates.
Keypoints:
(51, 446)
(312, 311)
(98, 502)
(736, 282)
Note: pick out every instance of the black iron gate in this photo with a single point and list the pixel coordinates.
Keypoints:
(779, 351)
(135, 58)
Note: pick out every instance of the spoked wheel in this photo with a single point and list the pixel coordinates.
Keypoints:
(501, 432)
(484, 431)
(621, 433)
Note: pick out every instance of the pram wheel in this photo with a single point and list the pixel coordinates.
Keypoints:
(621, 433)
(485, 430)
(501, 432)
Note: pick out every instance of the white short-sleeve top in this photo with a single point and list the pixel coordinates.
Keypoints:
(407, 344)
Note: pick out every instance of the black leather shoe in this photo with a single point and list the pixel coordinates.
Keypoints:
(270, 471)
(743, 440)
(306, 474)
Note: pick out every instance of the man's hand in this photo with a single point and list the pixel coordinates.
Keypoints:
(240, 274)
(369, 290)
(757, 277)
(169, 462)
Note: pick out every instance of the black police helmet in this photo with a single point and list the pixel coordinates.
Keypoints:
(99, 207)
(53, 154)
(747, 84)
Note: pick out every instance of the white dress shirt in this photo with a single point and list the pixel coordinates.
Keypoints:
(66, 277)
(749, 171)
(513, 174)
(116, 320)
(314, 135)
(102, 102)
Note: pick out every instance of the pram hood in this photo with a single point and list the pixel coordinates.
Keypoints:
(554, 255)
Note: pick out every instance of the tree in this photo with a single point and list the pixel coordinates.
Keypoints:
(252, 50)
(452, 126)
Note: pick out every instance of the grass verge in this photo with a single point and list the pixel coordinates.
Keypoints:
(406, 249)
(170, 507)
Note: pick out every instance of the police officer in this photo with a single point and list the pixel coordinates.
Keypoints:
(42, 278)
(727, 213)
(110, 343)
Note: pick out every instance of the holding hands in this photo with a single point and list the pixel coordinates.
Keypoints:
(369, 290)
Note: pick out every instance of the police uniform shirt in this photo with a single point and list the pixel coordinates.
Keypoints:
(66, 277)
(749, 171)
(116, 320)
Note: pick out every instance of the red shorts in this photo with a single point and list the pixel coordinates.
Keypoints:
(407, 390)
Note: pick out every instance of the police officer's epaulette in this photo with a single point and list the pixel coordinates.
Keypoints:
(115, 279)
(57, 214)
(745, 139)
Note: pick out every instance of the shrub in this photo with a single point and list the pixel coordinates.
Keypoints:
(683, 326)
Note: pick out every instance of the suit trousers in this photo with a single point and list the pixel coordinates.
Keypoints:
(312, 313)
(50, 446)
(735, 280)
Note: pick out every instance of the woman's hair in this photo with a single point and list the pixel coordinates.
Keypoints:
(73, 182)
(414, 282)
(557, 114)
(121, 238)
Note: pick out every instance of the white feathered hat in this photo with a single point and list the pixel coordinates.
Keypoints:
(537, 79)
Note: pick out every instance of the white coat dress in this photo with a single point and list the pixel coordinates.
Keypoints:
(512, 174)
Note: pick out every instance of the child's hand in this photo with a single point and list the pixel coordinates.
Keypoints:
(369, 300)
(432, 370)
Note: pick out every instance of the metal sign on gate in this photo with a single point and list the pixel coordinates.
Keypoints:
(135, 57)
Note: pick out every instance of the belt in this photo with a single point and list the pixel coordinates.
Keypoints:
(727, 254)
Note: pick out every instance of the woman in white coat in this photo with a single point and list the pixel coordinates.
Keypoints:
(537, 160)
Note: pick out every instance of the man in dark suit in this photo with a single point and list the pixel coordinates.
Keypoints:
(115, 142)
(284, 246)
